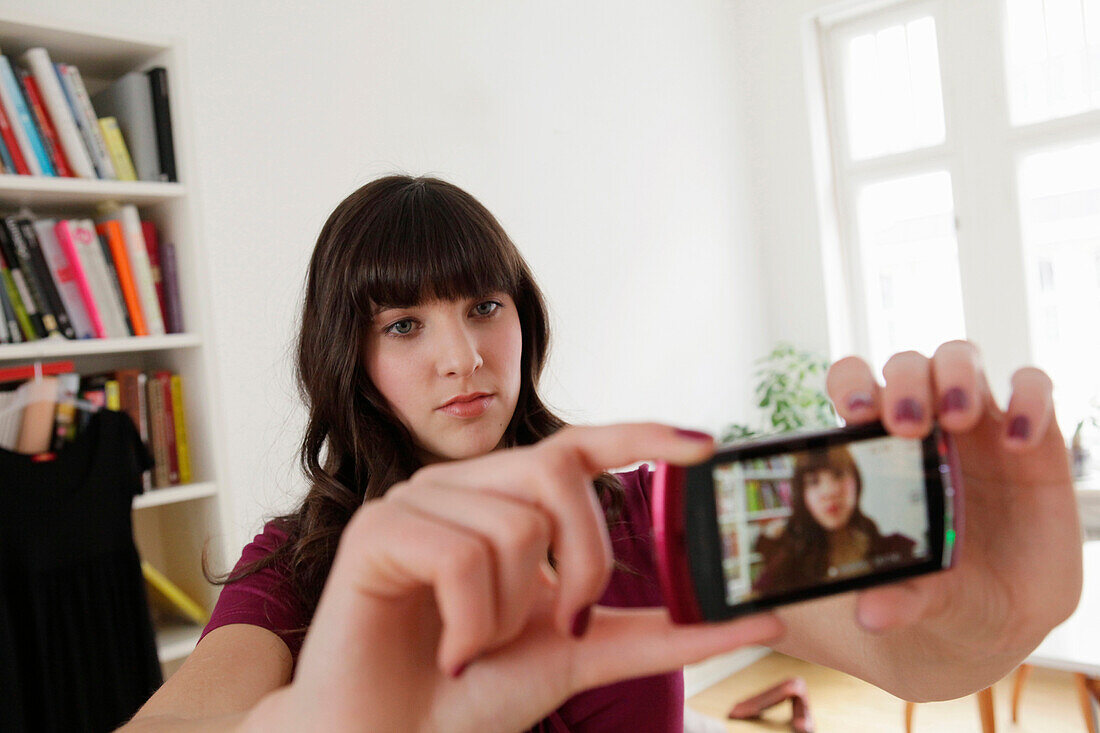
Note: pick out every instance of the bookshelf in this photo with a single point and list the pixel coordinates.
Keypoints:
(742, 513)
(171, 525)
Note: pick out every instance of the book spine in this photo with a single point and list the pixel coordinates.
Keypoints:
(61, 113)
(155, 400)
(111, 390)
(128, 215)
(158, 81)
(64, 430)
(89, 124)
(7, 142)
(170, 273)
(120, 156)
(19, 323)
(99, 280)
(45, 125)
(64, 278)
(164, 379)
(37, 329)
(22, 123)
(112, 234)
(152, 248)
(183, 449)
(30, 276)
(116, 285)
(143, 425)
(45, 279)
(66, 239)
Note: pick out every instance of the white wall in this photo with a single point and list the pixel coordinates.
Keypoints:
(605, 136)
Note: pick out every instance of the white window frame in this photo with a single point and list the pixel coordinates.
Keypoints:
(981, 152)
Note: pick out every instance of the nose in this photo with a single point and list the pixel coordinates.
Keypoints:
(460, 354)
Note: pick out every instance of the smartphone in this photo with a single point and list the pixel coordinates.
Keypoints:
(788, 518)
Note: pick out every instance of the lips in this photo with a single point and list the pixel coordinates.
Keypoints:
(471, 408)
(463, 398)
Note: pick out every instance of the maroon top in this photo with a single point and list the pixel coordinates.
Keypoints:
(646, 704)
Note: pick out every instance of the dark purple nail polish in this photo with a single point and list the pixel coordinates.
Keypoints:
(954, 399)
(580, 622)
(860, 401)
(693, 434)
(1019, 428)
(457, 671)
(908, 410)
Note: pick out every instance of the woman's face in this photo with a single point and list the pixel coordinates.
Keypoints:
(830, 496)
(421, 358)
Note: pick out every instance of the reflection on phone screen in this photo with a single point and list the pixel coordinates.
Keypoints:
(808, 518)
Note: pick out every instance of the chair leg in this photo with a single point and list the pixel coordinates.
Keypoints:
(1022, 673)
(1085, 694)
(909, 708)
(985, 707)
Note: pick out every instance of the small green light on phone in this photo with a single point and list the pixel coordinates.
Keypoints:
(950, 536)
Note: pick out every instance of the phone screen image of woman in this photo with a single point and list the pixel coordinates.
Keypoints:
(795, 520)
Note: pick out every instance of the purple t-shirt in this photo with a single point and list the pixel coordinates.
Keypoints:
(645, 704)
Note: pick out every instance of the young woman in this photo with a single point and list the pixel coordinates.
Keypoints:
(827, 537)
(464, 562)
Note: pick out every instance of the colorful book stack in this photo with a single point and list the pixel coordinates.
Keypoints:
(51, 126)
(762, 495)
(42, 413)
(82, 278)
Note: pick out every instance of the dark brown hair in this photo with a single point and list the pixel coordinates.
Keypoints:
(397, 241)
(803, 545)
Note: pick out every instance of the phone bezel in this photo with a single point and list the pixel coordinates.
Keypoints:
(702, 544)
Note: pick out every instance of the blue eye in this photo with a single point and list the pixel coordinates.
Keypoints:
(495, 307)
(394, 328)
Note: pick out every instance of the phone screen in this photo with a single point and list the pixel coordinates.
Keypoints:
(791, 521)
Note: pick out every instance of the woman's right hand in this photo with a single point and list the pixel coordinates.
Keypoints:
(441, 611)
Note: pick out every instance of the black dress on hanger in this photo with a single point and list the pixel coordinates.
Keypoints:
(77, 650)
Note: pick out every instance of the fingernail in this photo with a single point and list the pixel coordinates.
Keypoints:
(954, 400)
(860, 401)
(908, 410)
(580, 622)
(457, 671)
(1019, 428)
(693, 434)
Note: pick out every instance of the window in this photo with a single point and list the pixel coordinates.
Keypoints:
(964, 143)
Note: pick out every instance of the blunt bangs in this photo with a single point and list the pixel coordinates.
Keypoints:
(431, 242)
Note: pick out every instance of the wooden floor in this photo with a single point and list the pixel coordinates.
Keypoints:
(843, 704)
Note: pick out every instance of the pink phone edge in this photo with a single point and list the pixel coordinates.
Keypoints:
(673, 573)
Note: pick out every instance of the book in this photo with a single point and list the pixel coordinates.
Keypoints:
(116, 145)
(162, 117)
(64, 429)
(7, 138)
(87, 120)
(35, 286)
(111, 390)
(164, 379)
(66, 233)
(22, 123)
(36, 426)
(132, 401)
(111, 231)
(173, 595)
(170, 273)
(152, 247)
(4, 337)
(158, 439)
(10, 418)
(130, 101)
(45, 279)
(127, 215)
(113, 281)
(57, 105)
(183, 450)
(21, 297)
(19, 322)
(45, 124)
(27, 371)
(64, 278)
(90, 254)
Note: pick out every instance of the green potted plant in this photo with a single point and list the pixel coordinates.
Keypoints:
(791, 392)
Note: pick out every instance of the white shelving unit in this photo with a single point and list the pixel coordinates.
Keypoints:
(173, 527)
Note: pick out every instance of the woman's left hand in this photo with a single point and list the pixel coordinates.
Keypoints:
(1019, 573)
